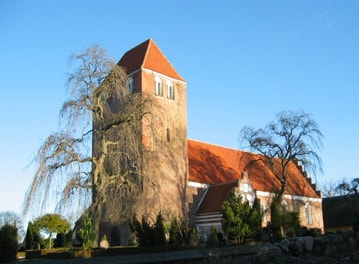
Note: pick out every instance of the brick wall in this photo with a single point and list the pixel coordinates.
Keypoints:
(165, 141)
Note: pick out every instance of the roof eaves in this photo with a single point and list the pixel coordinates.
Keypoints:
(163, 75)
(153, 45)
(203, 196)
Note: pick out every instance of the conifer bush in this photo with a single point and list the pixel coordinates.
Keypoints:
(290, 223)
(8, 243)
(143, 231)
(255, 219)
(276, 223)
(32, 239)
(87, 234)
(212, 240)
(236, 220)
(159, 232)
(63, 240)
(194, 237)
(180, 232)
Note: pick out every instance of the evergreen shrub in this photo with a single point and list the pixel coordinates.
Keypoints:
(212, 240)
(8, 243)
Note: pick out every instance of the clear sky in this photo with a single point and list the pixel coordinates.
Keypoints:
(243, 61)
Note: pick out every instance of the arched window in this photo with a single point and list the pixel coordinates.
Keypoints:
(170, 90)
(158, 84)
(308, 214)
(264, 214)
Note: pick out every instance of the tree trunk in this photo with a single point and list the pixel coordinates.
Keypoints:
(50, 241)
(282, 189)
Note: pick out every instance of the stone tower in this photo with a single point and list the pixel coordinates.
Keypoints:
(164, 131)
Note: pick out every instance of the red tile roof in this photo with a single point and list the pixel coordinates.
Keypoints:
(215, 197)
(147, 55)
(211, 164)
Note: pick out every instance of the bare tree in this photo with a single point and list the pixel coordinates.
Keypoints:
(96, 159)
(292, 137)
(328, 188)
(341, 187)
(9, 218)
(345, 188)
(13, 219)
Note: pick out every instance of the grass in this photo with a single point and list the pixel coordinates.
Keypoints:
(77, 252)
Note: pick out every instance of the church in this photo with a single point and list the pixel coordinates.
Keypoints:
(194, 177)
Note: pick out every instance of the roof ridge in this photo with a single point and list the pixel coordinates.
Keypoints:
(223, 147)
(223, 183)
(148, 56)
(166, 59)
(146, 53)
(212, 144)
(224, 159)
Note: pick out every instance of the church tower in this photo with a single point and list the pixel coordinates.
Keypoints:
(164, 130)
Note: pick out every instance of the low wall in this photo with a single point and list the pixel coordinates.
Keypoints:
(290, 250)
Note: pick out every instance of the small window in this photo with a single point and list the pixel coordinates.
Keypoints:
(158, 88)
(308, 214)
(264, 214)
(168, 135)
(131, 86)
(170, 90)
(243, 187)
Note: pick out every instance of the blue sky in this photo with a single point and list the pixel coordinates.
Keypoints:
(243, 61)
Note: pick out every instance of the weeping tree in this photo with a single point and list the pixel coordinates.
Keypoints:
(95, 161)
(293, 137)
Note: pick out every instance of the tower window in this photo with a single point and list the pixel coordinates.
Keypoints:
(168, 135)
(158, 86)
(170, 90)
